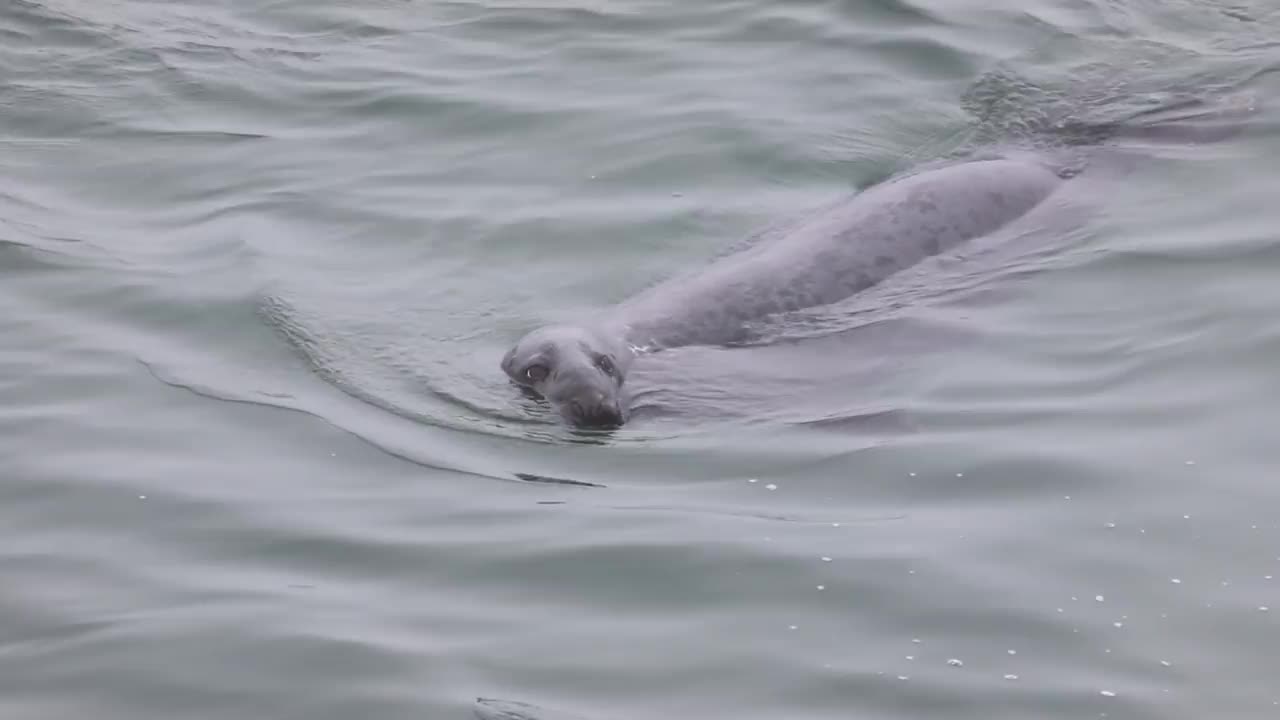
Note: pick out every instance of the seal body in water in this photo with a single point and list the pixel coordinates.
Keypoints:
(580, 369)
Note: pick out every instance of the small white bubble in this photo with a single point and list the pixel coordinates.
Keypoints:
(770, 486)
(1186, 517)
(1011, 677)
(1166, 663)
(1266, 577)
(1111, 525)
(793, 627)
(1118, 624)
(911, 657)
(955, 662)
(959, 474)
(835, 524)
(903, 677)
(142, 497)
(915, 640)
(1191, 462)
(1107, 651)
(1099, 598)
(822, 587)
(1061, 610)
(1066, 497)
(912, 474)
(826, 559)
(1106, 693)
(753, 480)
(1263, 608)
(1013, 652)
(1176, 581)
(911, 572)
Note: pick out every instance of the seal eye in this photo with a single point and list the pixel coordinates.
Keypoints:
(536, 373)
(604, 363)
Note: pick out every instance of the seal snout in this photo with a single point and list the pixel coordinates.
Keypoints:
(586, 397)
(599, 411)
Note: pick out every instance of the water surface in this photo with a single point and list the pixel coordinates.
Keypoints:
(258, 262)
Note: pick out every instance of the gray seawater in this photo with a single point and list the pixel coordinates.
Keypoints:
(259, 260)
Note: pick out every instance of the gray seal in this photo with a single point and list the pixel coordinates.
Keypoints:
(581, 369)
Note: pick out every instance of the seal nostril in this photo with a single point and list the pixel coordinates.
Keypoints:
(610, 414)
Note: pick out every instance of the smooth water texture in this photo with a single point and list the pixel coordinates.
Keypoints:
(259, 261)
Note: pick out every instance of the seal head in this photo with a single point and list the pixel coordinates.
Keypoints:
(578, 370)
